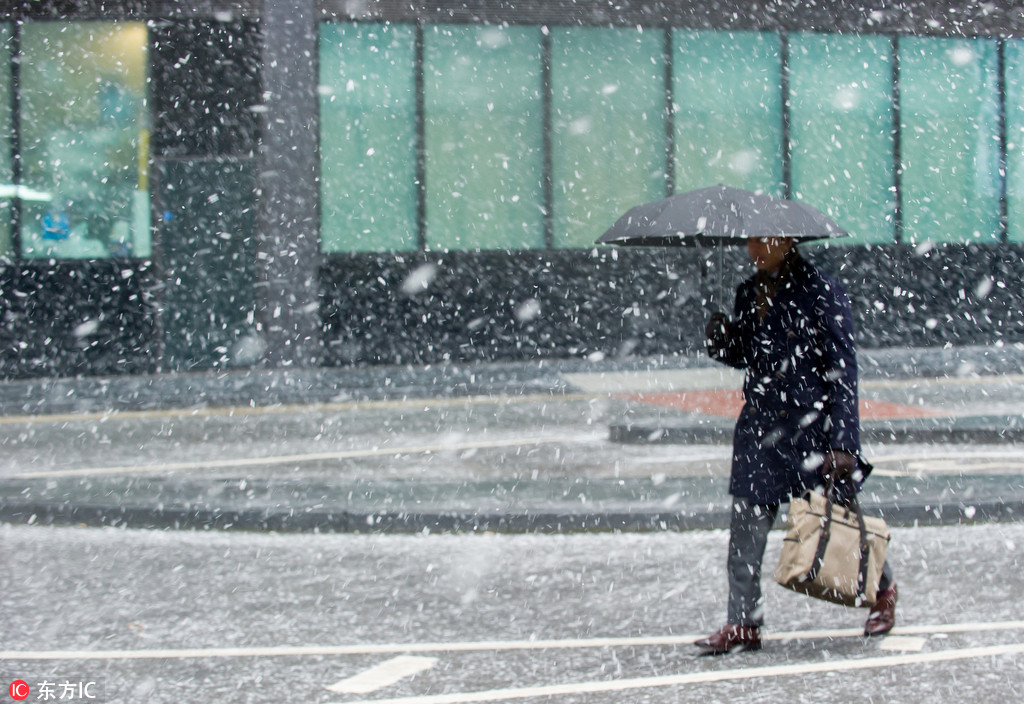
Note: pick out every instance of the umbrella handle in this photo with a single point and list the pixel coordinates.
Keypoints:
(710, 299)
(721, 276)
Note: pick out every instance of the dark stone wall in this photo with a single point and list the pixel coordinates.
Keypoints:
(498, 305)
(99, 317)
(71, 318)
(643, 302)
(951, 294)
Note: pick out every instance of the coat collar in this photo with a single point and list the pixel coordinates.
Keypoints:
(767, 286)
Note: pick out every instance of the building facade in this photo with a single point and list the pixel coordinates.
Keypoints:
(209, 185)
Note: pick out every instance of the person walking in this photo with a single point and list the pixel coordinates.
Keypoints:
(792, 331)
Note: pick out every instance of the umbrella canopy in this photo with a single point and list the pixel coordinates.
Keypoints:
(718, 214)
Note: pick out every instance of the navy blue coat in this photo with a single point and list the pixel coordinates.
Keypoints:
(800, 390)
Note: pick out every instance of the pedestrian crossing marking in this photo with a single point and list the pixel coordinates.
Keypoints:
(903, 643)
(383, 675)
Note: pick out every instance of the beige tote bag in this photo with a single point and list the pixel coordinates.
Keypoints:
(831, 552)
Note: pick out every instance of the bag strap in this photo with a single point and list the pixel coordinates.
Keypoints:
(826, 533)
(865, 548)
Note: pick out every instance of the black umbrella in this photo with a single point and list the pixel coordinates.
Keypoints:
(718, 215)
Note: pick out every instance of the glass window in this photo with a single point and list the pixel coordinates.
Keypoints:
(84, 140)
(841, 131)
(368, 137)
(1014, 56)
(607, 127)
(7, 187)
(949, 108)
(728, 110)
(483, 113)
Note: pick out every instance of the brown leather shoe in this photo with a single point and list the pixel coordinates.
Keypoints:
(730, 639)
(882, 616)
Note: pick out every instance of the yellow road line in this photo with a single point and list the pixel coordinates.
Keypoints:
(284, 409)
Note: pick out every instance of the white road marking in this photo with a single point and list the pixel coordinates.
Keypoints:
(939, 461)
(949, 467)
(664, 380)
(378, 649)
(929, 453)
(577, 688)
(383, 675)
(915, 463)
(476, 646)
(309, 457)
(903, 643)
(914, 383)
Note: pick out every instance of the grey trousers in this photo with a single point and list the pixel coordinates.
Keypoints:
(748, 535)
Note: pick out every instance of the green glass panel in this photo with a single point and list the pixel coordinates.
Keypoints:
(368, 137)
(1014, 56)
(607, 127)
(949, 135)
(841, 131)
(7, 188)
(483, 115)
(84, 140)
(728, 110)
